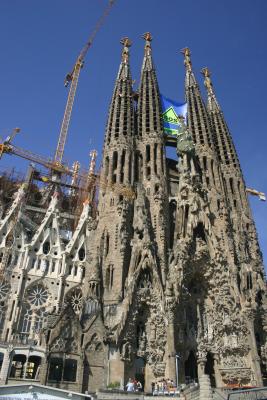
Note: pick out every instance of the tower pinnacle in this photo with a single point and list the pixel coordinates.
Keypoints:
(147, 63)
(187, 59)
(126, 42)
(221, 135)
(148, 38)
(212, 101)
(207, 81)
(197, 113)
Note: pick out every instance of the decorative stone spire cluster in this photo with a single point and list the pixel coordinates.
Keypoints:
(197, 113)
(120, 125)
(173, 269)
(222, 137)
(149, 104)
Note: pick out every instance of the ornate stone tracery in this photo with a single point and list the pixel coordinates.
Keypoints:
(165, 266)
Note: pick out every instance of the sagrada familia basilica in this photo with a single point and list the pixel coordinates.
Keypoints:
(170, 274)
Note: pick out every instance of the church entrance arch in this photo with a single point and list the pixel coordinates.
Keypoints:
(139, 370)
(190, 367)
(209, 369)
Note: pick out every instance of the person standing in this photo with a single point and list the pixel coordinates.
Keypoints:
(139, 386)
(130, 386)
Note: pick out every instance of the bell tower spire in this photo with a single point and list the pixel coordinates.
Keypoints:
(117, 163)
(197, 114)
(149, 104)
(222, 137)
(150, 160)
(226, 152)
(120, 125)
(199, 126)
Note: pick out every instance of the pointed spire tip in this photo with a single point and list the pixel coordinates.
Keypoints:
(207, 81)
(187, 59)
(147, 36)
(126, 42)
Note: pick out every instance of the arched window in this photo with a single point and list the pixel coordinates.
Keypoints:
(249, 281)
(107, 245)
(40, 320)
(2, 314)
(46, 247)
(109, 276)
(27, 320)
(81, 254)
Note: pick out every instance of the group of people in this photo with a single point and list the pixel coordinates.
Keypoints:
(134, 385)
(163, 386)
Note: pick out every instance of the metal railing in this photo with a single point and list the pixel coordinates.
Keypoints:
(218, 395)
(248, 394)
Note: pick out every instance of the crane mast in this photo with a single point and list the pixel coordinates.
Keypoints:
(67, 115)
(73, 77)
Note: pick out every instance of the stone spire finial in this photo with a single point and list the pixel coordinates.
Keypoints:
(212, 101)
(126, 42)
(187, 59)
(148, 38)
(207, 81)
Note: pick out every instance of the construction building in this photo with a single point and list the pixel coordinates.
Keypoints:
(154, 263)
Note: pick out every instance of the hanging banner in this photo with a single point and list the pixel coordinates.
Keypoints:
(171, 115)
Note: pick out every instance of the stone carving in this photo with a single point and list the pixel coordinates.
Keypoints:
(176, 268)
(95, 344)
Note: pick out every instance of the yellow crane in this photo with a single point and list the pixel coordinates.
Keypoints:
(73, 77)
(8, 148)
(255, 192)
(56, 164)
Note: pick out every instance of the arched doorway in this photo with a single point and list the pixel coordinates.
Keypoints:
(190, 367)
(209, 369)
(139, 370)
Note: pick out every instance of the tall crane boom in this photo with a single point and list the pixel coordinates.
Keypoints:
(36, 158)
(73, 77)
(67, 114)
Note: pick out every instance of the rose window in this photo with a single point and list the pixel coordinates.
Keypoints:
(38, 296)
(4, 289)
(76, 301)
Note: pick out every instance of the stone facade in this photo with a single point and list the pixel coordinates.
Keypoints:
(174, 269)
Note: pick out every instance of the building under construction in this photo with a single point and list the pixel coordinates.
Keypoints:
(153, 263)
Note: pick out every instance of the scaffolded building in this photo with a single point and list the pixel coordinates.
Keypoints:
(120, 292)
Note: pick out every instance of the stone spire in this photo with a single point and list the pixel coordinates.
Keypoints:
(120, 123)
(150, 160)
(120, 126)
(199, 127)
(245, 235)
(222, 137)
(149, 105)
(197, 114)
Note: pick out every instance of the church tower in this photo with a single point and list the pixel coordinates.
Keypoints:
(165, 276)
(116, 179)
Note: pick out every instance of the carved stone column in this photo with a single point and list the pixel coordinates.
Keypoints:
(253, 346)
(43, 370)
(171, 347)
(6, 366)
(218, 378)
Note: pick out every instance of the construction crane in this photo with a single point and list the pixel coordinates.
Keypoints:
(73, 77)
(255, 192)
(56, 164)
(7, 147)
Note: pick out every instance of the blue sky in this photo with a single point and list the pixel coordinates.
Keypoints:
(40, 40)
